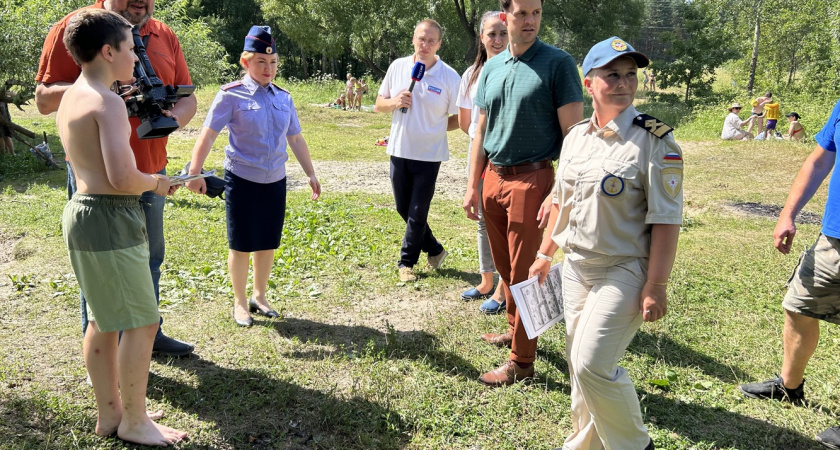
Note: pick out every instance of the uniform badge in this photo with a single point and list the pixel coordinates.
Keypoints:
(672, 158)
(612, 185)
(618, 45)
(672, 180)
(269, 50)
(434, 89)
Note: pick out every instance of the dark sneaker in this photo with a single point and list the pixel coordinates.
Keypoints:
(167, 346)
(830, 438)
(774, 389)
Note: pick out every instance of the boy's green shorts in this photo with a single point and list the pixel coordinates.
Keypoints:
(108, 246)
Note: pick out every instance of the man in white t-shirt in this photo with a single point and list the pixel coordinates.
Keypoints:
(417, 143)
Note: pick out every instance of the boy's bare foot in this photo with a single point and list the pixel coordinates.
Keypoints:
(150, 433)
(107, 427)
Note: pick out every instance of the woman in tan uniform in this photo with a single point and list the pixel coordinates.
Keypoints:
(616, 215)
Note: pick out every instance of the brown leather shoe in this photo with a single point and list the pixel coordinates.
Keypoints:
(507, 374)
(499, 340)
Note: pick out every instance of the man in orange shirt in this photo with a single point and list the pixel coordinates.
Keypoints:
(56, 73)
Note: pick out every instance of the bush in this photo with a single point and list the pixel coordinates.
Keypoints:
(206, 58)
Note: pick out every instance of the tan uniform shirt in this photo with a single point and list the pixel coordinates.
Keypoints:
(613, 183)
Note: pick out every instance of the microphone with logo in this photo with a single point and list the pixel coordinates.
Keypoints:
(416, 75)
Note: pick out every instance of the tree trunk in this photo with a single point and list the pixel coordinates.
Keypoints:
(304, 64)
(754, 58)
(467, 17)
(376, 70)
(792, 68)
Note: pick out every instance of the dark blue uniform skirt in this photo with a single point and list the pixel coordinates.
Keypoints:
(255, 213)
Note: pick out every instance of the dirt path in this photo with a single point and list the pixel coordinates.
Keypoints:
(372, 177)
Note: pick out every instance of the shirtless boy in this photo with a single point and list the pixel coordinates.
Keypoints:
(758, 111)
(104, 229)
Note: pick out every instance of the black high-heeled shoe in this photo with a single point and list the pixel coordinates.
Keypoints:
(242, 323)
(255, 308)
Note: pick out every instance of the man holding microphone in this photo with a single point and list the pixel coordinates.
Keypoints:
(423, 107)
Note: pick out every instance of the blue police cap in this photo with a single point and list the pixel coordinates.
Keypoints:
(607, 50)
(259, 40)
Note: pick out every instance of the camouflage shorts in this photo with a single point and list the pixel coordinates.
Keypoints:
(814, 286)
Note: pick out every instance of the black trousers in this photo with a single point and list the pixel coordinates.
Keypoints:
(414, 186)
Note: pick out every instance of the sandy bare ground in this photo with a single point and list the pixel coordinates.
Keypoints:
(372, 177)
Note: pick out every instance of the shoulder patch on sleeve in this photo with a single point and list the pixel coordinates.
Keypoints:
(279, 88)
(231, 85)
(652, 125)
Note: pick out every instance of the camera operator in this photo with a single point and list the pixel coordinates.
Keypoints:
(56, 73)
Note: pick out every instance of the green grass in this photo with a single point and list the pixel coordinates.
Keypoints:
(360, 360)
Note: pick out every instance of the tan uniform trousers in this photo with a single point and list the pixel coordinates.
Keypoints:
(511, 204)
(601, 303)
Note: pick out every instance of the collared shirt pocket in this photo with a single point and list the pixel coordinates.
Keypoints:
(617, 178)
(282, 113)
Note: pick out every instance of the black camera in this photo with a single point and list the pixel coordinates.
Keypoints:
(150, 97)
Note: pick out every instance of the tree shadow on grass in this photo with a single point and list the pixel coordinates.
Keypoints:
(662, 346)
(252, 410)
(353, 340)
(722, 428)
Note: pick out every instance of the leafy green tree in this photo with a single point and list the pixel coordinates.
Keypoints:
(578, 24)
(18, 18)
(372, 31)
(695, 51)
(206, 58)
(230, 20)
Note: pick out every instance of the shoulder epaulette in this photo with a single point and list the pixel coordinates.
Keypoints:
(652, 125)
(278, 87)
(582, 122)
(232, 85)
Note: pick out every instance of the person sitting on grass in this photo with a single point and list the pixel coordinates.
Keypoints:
(732, 125)
(340, 102)
(795, 131)
(104, 229)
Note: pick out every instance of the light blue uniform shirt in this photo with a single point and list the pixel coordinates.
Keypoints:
(258, 119)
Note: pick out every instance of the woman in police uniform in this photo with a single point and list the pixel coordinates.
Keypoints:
(261, 120)
(616, 216)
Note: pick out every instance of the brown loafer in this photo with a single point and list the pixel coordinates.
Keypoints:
(499, 340)
(507, 374)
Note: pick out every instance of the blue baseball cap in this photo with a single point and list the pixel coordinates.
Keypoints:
(607, 50)
(259, 40)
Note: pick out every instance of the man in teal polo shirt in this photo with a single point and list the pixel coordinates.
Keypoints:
(529, 95)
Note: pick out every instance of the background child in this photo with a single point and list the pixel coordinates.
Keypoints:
(771, 113)
(361, 89)
(758, 111)
(94, 129)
